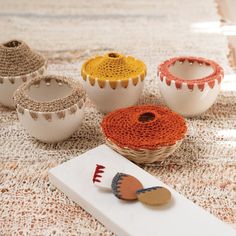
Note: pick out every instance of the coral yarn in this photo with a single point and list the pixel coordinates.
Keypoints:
(113, 66)
(216, 75)
(144, 127)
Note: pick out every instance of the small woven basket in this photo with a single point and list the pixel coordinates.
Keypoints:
(144, 134)
(145, 156)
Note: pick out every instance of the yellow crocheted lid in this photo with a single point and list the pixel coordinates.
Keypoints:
(113, 67)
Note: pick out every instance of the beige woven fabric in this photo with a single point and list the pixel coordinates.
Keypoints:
(68, 32)
(77, 95)
(18, 59)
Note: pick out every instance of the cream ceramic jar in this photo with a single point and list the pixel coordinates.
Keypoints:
(18, 64)
(113, 81)
(189, 85)
(50, 108)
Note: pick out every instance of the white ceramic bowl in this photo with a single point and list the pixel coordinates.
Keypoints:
(189, 85)
(18, 64)
(108, 99)
(50, 108)
(109, 95)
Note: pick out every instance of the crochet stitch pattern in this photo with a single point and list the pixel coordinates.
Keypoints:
(17, 59)
(144, 127)
(76, 95)
(200, 170)
(113, 67)
(217, 74)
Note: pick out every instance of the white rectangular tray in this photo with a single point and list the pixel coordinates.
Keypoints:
(182, 217)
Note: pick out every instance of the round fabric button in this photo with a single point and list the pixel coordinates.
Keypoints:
(125, 186)
(154, 196)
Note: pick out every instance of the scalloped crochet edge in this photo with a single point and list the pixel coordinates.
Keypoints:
(113, 83)
(48, 116)
(165, 76)
(75, 99)
(25, 77)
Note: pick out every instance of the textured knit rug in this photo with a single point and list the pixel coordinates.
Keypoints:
(67, 33)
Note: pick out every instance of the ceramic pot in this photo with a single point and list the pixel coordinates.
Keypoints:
(113, 81)
(189, 85)
(50, 108)
(144, 134)
(18, 64)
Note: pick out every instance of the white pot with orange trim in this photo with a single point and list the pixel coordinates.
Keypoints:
(189, 85)
(50, 108)
(113, 81)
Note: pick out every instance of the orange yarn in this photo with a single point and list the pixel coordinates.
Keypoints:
(144, 127)
(217, 74)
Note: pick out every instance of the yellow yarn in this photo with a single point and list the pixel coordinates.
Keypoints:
(113, 66)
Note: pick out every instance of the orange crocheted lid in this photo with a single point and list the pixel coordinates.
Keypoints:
(144, 127)
(113, 66)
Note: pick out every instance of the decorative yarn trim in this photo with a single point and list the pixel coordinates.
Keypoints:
(26, 77)
(77, 96)
(113, 68)
(114, 84)
(216, 75)
(146, 127)
(49, 115)
(17, 59)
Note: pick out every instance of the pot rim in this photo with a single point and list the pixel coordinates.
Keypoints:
(217, 74)
(75, 96)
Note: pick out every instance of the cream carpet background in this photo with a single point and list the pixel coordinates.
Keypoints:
(67, 33)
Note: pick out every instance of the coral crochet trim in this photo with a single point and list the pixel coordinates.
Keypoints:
(216, 75)
(144, 127)
(113, 67)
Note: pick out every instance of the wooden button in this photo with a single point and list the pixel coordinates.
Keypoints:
(154, 195)
(125, 186)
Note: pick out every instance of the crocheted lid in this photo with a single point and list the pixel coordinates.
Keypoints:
(113, 66)
(16, 58)
(144, 127)
(72, 95)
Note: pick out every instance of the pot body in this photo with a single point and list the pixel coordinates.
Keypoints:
(7, 90)
(108, 99)
(188, 102)
(50, 127)
(8, 85)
